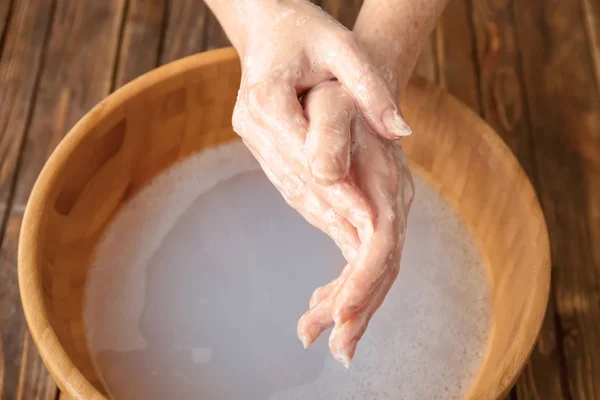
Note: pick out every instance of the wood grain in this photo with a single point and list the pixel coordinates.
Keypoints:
(5, 15)
(564, 116)
(215, 37)
(21, 59)
(456, 53)
(515, 110)
(184, 29)
(591, 13)
(77, 75)
(21, 370)
(23, 374)
(345, 11)
(504, 107)
(141, 41)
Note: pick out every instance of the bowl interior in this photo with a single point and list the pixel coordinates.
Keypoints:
(154, 121)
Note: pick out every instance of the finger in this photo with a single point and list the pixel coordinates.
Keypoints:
(314, 322)
(324, 291)
(311, 206)
(318, 317)
(350, 202)
(370, 90)
(275, 105)
(344, 338)
(329, 109)
(376, 260)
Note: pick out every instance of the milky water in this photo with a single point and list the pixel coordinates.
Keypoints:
(198, 283)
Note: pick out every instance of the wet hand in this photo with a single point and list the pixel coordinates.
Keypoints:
(291, 47)
(379, 170)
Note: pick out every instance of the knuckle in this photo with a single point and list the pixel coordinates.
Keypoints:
(326, 176)
(283, 77)
(257, 96)
(345, 40)
(327, 170)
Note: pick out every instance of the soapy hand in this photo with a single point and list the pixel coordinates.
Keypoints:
(291, 47)
(378, 168)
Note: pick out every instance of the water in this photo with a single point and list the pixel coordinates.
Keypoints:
(198, 283)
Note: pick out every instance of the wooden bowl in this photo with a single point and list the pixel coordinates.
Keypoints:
(155, 120)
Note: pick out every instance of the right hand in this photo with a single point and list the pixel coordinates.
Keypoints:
(290, 47)
(379, 169)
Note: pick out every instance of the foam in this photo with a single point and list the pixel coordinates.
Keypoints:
(199, 280)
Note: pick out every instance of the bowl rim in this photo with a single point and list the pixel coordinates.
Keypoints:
(67, 376)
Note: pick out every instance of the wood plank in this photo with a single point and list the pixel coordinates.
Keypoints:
(503, 106)
(185, 27)
(345, 11)
(21, 58)
(542, 377)
(76, 73)
(456, 53)
(5, 14)
(591, 12)
(141, 42)
(472, 65)
(564, 115)
(24, 375)
(215, 37)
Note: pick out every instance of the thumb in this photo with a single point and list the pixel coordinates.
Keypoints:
(329, 109)
(370, 91)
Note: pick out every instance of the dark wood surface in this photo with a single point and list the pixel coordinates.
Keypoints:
(531, 68)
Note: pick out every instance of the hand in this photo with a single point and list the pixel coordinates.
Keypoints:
(378, 168)
(292, 46)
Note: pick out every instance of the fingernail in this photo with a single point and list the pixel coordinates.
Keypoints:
(344, 358)
(395, 124)
(333, 333)
(305, 342)
(346, 361)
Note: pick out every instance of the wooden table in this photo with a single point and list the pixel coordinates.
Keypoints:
(531, 68)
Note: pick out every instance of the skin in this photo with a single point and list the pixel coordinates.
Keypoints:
(394, 31)
(319, 112)
(379, 169)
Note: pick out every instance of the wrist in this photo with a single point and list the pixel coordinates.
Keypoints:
(243, 19)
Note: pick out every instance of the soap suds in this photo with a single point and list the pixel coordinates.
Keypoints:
(199, 280)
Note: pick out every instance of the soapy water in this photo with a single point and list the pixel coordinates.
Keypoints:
(199, 281)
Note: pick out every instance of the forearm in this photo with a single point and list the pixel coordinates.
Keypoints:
(394, 32)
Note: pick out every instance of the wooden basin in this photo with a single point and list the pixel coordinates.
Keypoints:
(185, 107)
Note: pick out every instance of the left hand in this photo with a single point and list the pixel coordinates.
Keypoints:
(379, 169)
